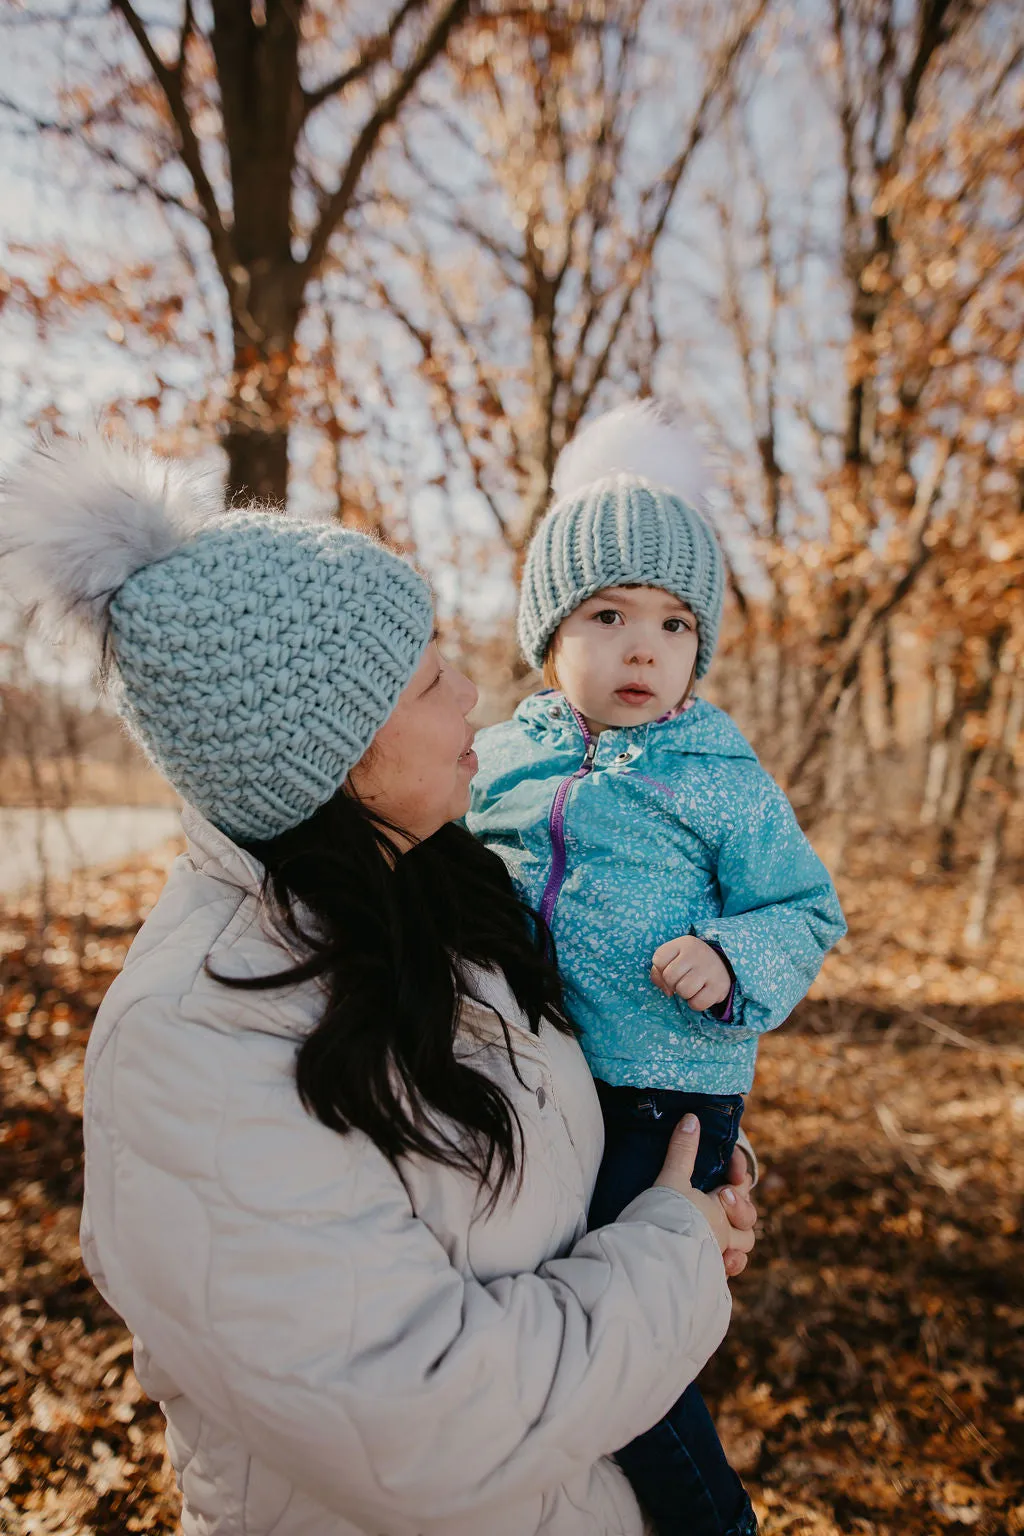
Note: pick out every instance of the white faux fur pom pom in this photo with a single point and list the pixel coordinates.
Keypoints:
(77, 518)
(638, 439)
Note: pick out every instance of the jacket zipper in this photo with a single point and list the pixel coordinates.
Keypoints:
(556, 824)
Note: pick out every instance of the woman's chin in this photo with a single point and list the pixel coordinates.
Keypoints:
(461, 797)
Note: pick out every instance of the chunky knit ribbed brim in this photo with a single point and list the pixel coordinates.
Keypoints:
(258, 664)
(625, 514)
(620, 532)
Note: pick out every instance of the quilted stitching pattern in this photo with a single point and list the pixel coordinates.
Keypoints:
(349, 1340)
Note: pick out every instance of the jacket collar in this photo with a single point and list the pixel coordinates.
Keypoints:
(214, 854)
(704, 729)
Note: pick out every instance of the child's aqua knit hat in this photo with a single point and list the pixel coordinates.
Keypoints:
(625, 514)
(255, 657)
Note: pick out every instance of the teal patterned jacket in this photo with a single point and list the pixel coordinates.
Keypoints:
(642, 835)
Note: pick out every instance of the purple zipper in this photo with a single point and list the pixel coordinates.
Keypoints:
(556, 824)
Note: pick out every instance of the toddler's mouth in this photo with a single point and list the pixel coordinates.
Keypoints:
(636, 694)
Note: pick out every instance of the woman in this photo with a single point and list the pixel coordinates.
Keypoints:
(339, 1135)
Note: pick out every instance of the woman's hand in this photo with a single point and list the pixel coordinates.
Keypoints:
(730, 1211)
(736, 1196)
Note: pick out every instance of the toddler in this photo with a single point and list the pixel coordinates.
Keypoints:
(688, 911)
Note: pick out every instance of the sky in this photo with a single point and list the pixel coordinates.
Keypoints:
(49, 195)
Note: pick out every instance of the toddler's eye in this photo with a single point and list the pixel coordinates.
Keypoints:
(608, 616)
(678, 626)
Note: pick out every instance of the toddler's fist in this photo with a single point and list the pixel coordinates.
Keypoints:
(693, 970)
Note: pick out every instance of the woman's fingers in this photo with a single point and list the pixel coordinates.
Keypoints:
(730, 1209)
(735, 1262)
(738, 1207)
(677, 1169)
(743, 1242)
(740, 1214)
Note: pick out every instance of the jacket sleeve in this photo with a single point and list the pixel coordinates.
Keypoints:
(780, 912)
(387, 1386)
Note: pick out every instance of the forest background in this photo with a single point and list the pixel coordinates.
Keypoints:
(380, 264)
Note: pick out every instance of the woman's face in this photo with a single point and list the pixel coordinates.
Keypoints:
(417, 771)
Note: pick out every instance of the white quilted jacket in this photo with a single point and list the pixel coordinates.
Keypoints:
(341, 1351)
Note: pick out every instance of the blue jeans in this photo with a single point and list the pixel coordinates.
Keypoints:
(678, 1469)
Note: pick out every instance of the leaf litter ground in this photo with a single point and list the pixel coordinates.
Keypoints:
(873, 1378)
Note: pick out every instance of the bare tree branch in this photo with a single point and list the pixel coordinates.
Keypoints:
(187, 25)
(872, 614)
(441, 379)
(337, 205)
(667, 187)
(377, 51)
(139, 181)
(170, 79)
(509, 259)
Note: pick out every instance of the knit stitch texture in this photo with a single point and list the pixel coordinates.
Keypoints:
(258, 661)
(620, 531)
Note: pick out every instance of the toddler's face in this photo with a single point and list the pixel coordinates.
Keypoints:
(626, 656)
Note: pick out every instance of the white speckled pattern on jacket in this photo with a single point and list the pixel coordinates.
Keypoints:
(677, 830)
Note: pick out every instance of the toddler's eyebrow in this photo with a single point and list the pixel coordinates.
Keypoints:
(673, 605)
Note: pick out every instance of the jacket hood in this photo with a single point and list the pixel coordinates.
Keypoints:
(704, 729)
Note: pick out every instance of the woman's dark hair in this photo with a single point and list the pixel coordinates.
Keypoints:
(390, 937)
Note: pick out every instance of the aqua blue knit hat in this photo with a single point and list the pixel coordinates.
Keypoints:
(254, 657)
(625, 513)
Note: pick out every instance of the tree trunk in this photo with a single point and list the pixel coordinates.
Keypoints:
(943, 708)
(994, 692)
(985, 879)
(1001, 787)
(259, 409)
(543, 294)
(257, 464)
(261, 100)
(888, 681)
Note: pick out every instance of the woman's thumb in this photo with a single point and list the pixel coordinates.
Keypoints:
(677, 1169)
